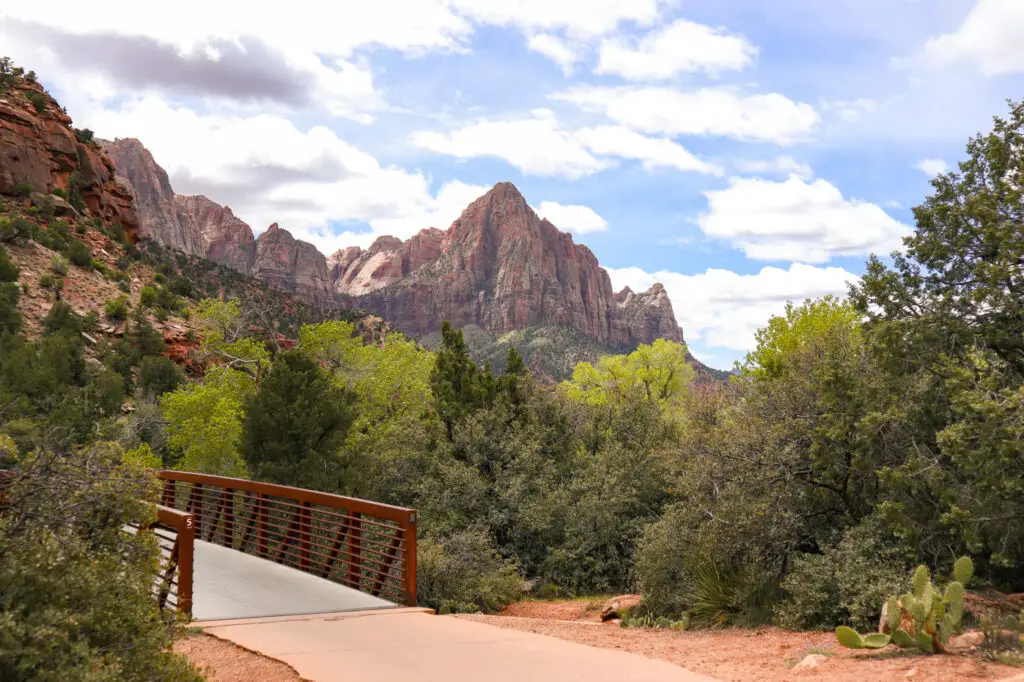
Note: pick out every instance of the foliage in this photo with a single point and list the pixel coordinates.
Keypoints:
(936, 614)
(37, 99)
(158, 375)
(464, 573)
(8, 269)
(1004, 638)
(458, 385)
(61, 541)
(84, 135)
(847, 583)
(204, 424)
(16, 229)
(295, 424)
(78, 253)
(59, 265)
(116, 308)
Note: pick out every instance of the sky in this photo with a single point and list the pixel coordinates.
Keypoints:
(741, 152)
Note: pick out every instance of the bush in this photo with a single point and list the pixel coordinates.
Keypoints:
(24, 189)
(84, 135)
(62, 320)
(848, 583)
(464, 573)
(8, 269)
(59, 265)
(38, 100)
(16, 230)
(116, 308)
(147, 297)
(81, 227)
(60, 192)
(79, 254)
(77, 600)
(158, 375)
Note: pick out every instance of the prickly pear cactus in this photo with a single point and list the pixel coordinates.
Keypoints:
(937, 615)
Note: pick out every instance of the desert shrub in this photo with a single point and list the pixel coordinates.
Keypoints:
(60, 192)
(38, 100)
(124, 285)
(116, 233)
(158, 375)
(147, 296)
(61, 541)
(90, 321)
(464, 573)
(10, 318)
(59, 265)
(17, 229)
(8, 268)
(848, 583)
(116, 308)
(62, 319)
(78, 253)
(84, 135)
(81, 227)
(24, 189)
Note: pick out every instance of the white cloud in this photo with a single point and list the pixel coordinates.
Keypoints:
(680, 47)
(556, 49)
(653, 152)
(780, 165)
(797, 220)
(535, 145)
(723, 309)
(309, 181)
(932, 167)
(850, 110)
(718, 112)
(991, 37)
(593, 18)
(574, 218)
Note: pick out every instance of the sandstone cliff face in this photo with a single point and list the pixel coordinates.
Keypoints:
(201, 227)
(502, 268)
(39, 148)
(291, 264)
(159, 216)
(499, 266)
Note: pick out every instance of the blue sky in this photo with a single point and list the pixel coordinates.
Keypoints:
(742, 152)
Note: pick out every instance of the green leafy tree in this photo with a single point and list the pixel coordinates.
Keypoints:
(660, 372)
(158, 375)
(295, 425)
(458, 385)
(204, 423)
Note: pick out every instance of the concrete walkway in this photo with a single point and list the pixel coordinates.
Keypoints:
(403, 645)
(229, 584)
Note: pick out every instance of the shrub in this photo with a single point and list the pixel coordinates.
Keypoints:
(464, 573)
(158, 375)
(59, 265)
(16, 230)
(8, 269)
(81, 227)
(848, 583)
(147, 297)
(77, 601)
(62, 320)
(78, 253)
(84, 135)
(116, 233)
(60, 192)
(124, 285)
(38, 100)
(24, 189)
(90, 321)
(116, 308)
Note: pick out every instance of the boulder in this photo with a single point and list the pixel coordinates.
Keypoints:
(810, 662)
(615, 607)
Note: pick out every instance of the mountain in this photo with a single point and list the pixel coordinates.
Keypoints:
(498, 269)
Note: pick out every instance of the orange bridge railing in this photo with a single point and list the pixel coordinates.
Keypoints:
(365, 545)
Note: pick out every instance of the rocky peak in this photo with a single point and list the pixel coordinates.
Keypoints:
(291, 264)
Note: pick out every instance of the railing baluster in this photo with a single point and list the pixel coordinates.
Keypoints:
(355, 537)
(305, 530)
(261, 533)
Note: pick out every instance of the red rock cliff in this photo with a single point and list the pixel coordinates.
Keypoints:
(501, 267)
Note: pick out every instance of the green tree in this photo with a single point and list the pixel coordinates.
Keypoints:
(158, 375)
(458, 385)
(204, 423)
(295, 425)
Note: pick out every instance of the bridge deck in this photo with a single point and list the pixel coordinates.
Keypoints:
(228, 584)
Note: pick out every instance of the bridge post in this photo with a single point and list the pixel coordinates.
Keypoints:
(186, 543)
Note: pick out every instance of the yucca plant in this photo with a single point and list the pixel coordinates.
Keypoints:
(937, 615)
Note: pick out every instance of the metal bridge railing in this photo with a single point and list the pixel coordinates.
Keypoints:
(365, 545)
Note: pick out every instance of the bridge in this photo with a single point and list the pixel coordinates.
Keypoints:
(233, 548)
(327, 585)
